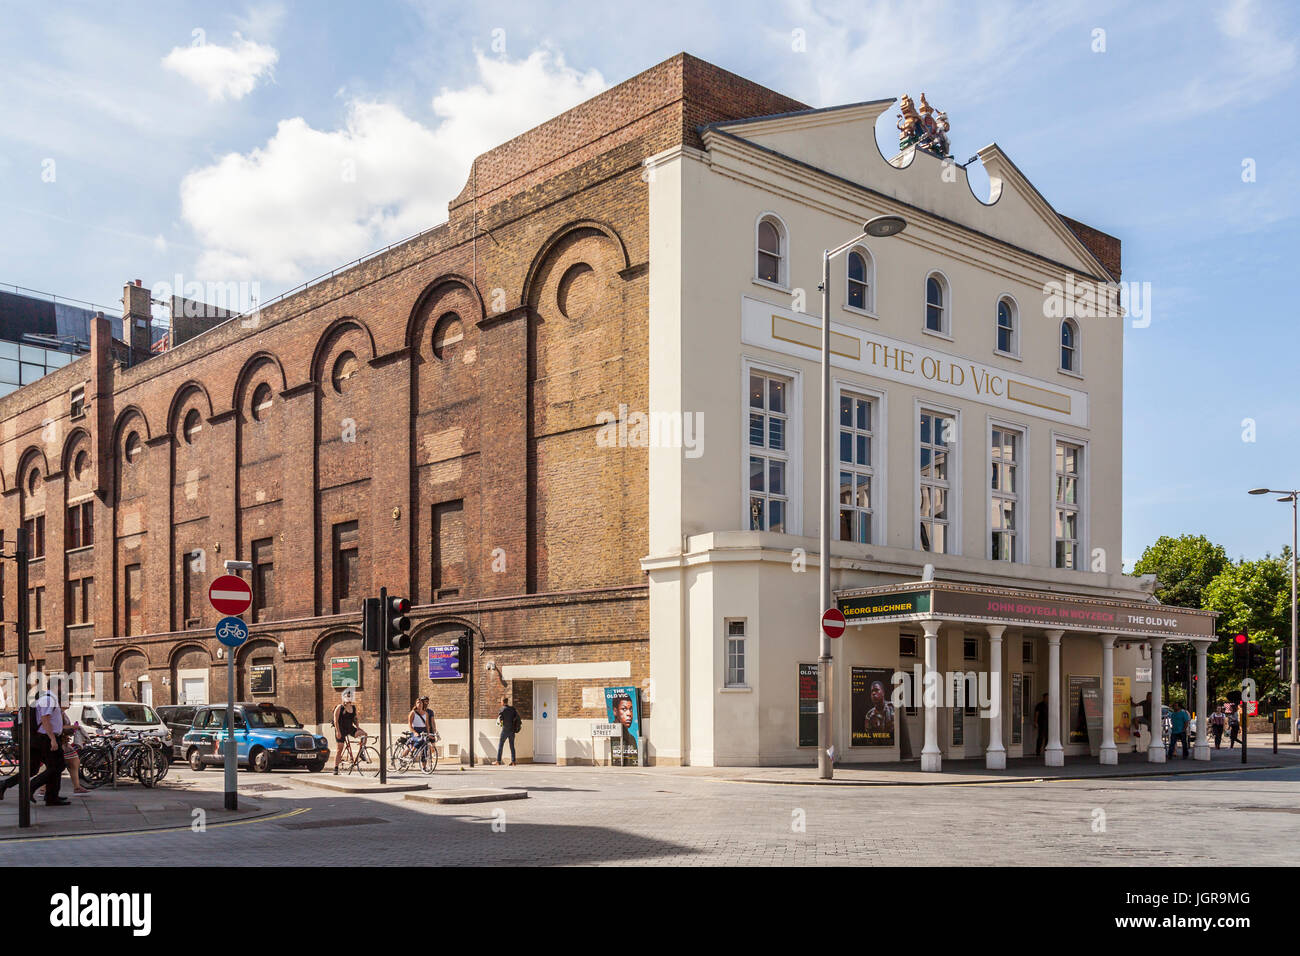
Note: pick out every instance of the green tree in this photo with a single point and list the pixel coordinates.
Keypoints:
(1252, 598)
(1184, 567)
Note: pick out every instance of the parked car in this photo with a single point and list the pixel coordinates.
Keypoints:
(179, 718)
(117, 716)
(266, 736)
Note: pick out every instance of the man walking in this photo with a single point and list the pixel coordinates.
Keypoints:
(509, 720)
(1040, 725)
(46, 750)
(1178, 730)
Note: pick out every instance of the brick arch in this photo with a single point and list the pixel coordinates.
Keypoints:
(549, 247)
(255, 363)
(327, 339)
(417, 318)
(75, 436)
(124, 418)
(125, 671)
(347, 640)
(181, 398)
(33, 457)
(186, 647)
(430, 632)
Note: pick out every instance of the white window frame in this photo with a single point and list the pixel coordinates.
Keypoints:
(1084, 502)
(879, 468)
(1023, 484)
(1077, 370)
(743, 641)
(954, 476)
(945, 330)
(868, 307)
(783, 285)
(793, 442)
(1015, 326)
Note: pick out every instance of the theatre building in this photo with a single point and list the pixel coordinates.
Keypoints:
(579, 423)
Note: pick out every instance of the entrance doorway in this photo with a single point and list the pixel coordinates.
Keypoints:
(544, 723)
(1028, 733)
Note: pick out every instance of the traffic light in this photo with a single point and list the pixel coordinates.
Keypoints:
(1281, 664)
(372, 625)
(463, 651)
(1239, 653)
(397, 626)
(1257, 658)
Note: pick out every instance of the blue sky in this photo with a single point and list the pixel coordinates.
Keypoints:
(182, 139)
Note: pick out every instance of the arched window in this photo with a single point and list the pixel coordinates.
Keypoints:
(262, 398)
(193, 425)
(937, 308)
(133, 447)
(1069, 346)
(1008, 322)
(861, 290)
(771, 251)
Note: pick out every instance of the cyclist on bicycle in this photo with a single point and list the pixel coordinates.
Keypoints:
(345, 726)
(420, 719)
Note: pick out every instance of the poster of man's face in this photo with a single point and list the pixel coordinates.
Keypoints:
(623, 707)
(871, 712)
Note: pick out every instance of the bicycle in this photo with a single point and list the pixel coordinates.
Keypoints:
(8, 758)
(365, 754)
(415, 750)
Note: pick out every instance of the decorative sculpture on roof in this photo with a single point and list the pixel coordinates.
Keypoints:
(909, 123)
(926, 128)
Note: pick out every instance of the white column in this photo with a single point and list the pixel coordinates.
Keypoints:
(1054, 754)
(1109, 755)
(995, 758)
(1156, 749)
(1202, 751)
(931, 755)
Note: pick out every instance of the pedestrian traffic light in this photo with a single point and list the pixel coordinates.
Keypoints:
(372, 625)
(397, 626)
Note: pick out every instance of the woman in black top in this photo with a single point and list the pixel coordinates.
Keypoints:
(345, 726)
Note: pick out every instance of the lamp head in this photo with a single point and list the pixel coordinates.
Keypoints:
(883, 226)
(1258, 491)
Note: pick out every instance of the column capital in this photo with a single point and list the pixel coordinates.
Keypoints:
(931, 628)
(1107, 640)
(1054, 637)
(1157, 644)
(995, 631)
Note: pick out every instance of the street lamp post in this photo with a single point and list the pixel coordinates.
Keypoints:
(879, 227)
(1290, 496)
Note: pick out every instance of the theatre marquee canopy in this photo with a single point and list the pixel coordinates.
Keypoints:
(933, 600)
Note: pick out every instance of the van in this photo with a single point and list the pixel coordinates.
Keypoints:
(117, 716)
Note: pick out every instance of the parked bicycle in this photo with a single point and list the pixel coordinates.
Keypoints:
(414, 750)
(131, 755)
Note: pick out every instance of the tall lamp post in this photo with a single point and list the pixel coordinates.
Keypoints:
(1290, 496)
(879, 227)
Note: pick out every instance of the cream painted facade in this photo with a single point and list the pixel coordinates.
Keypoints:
(713, 323)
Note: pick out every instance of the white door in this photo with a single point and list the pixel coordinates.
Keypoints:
(544, 694)
(146, 691)
(194, 690)
(1028, 733)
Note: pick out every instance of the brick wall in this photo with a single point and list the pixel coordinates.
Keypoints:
(466, 365)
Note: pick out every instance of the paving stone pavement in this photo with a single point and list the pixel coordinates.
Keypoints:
(584, 816)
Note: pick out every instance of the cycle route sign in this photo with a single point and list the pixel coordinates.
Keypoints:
(231, 631)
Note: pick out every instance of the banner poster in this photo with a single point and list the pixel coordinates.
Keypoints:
(807, 705)
(623, 707)
(1017, 706)
(1123, 710)
(1085, 711)
(345, 672)
(871, 713)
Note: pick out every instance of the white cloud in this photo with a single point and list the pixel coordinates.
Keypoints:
(223, 71)
(310, 200)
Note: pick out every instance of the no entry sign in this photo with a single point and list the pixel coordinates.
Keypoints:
(230, 595)
(833, 622)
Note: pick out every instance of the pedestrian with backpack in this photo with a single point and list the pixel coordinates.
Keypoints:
(511, 724)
